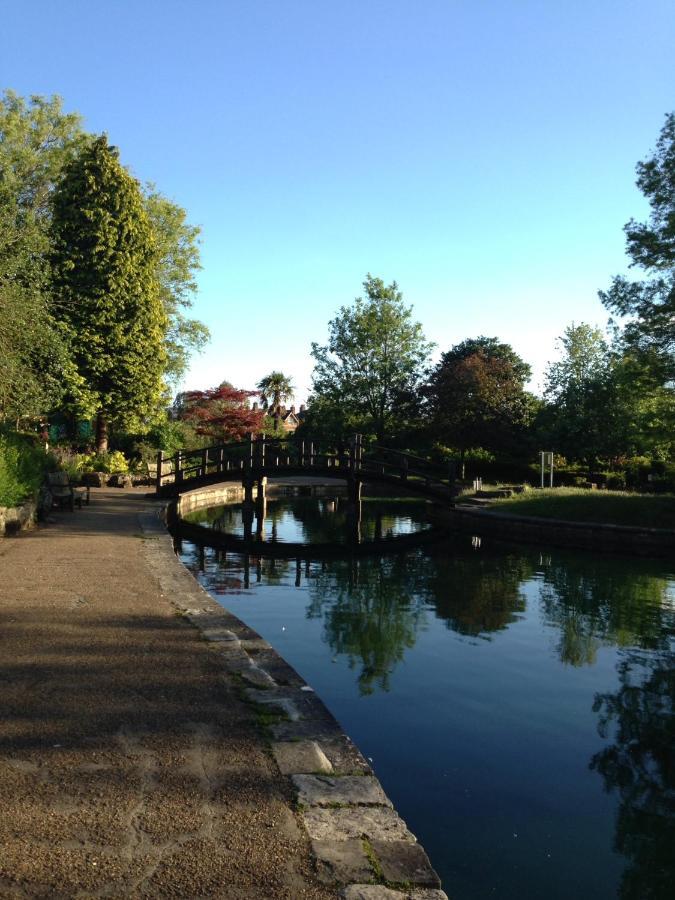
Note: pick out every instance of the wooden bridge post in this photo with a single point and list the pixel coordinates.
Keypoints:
(178, 471)
(160, 472)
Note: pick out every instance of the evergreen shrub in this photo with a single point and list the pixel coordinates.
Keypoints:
(22, 468)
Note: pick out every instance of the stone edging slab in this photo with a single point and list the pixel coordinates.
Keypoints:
(359, 842)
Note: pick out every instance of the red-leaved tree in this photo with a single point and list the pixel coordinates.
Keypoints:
(221, 413)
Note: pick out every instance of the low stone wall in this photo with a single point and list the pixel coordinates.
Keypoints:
(18, 518)
(584, 535)
(216, 496)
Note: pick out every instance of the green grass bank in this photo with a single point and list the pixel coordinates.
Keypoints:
(598, 507)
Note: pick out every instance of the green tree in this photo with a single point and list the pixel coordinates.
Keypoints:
(106, 292)
(584, 417)
(36, 140)
(275, 389)
(476, 397)
(374, 358)
(178, 261)
(651, 247)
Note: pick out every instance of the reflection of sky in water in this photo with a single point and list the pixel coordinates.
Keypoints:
(318, 519)
(517, 703)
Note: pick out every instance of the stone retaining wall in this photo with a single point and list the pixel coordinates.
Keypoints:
(18, 518)
(360, 844)
(216, 496)
(585, 535)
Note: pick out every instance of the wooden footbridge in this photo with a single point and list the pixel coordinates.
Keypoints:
(251, 462)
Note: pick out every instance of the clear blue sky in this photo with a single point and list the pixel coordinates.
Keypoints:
(480, 152)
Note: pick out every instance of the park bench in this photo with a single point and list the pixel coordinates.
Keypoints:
(64, 492)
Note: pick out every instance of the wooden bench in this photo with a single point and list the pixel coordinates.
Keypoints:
(64, 492)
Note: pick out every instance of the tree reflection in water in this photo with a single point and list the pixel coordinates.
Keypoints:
(594, 601)
(374, 608)
(640, 765)
(372, 611)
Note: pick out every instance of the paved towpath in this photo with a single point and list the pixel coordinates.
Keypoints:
(129, 767)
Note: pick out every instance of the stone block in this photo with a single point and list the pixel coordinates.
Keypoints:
(342, 862)
(380, 892)
(348, 790)
(372, 822)
(402, 861)
(267, 698)
(256, 676)
(300, 757)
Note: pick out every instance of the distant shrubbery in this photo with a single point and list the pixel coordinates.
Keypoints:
(22, 468)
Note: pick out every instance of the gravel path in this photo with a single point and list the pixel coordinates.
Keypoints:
(129, 767)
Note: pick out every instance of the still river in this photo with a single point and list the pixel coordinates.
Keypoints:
(517, 703)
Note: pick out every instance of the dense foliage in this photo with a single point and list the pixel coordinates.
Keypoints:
(105, 290)
(221, 413)
(373, 362)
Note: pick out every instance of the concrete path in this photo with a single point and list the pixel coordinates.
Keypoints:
(129, 766)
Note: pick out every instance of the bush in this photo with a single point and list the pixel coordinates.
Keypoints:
(22, 468)
(616, 481)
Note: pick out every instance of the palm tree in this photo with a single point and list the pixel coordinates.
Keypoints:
(275, 389)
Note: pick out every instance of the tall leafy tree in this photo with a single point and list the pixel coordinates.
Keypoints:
(178, 262)
(477, 398)
(37, 138)
(106, 291)
(584, 417)
(650, 304)
(374, 359)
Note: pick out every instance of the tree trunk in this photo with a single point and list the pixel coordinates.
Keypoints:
(101, 433)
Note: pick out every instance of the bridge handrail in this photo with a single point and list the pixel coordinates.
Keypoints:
(264, 455)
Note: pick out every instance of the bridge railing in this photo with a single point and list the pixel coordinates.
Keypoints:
(264, 455)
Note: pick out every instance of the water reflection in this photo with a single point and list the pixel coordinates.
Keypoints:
(578, 649)
(640, 766)
(371, 613)
(329, 520)
(603, 601)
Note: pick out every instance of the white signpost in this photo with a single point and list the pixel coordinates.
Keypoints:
(546, 463)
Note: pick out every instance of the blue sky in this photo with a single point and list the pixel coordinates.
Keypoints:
(480, 152)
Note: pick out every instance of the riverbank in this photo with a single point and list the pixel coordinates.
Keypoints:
(133, 763)
(496, 520)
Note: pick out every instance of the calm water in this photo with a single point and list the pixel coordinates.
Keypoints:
(517, 704)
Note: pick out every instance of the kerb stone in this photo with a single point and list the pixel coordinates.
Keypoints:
(402, 861)
(349, 790)
(379, 892)
(297, 757)
(372, 822)
(341, 862)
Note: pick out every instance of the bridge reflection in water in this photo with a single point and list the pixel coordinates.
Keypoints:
(317, 528)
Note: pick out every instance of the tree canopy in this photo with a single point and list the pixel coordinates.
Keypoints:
(374, 359)
(477, 398)
(275, 389)
(38, 141)
(106, 291)
(650, 304)
(221, 413)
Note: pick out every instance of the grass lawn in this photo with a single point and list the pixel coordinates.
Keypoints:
(579, 505)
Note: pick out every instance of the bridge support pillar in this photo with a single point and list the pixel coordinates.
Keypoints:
(354, 486)
(248, 485)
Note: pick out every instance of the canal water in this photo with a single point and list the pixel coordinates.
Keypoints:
(517, 703)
